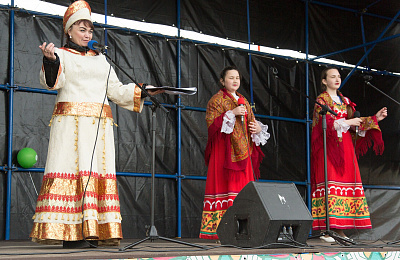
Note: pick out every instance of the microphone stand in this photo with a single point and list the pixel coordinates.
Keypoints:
(153, 234)
(366, 80)
(325, 109)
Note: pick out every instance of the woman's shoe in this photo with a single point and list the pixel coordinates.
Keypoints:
(79, 244)
(109, 242)
(327, 239)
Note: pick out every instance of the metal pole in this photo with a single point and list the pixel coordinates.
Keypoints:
(179, 125)
(357, 47)
(363, 37)
(250, 65)
(354, 10)
(370, 49)
(105, 22)
(10, 125)
(153, 165)
(308, 123)
(324, 127)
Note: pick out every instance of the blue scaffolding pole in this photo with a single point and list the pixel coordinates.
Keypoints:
(9, 168)
(250, 63)
(356, 47)
(194, 177)
(363, 38)
(308, 124)
(105, 22)
(313, 60)
(179, 126)
(364, 11)
(370, 49)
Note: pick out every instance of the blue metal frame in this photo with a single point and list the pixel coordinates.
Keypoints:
(357, 47)
(105, 22)
(10, 125)
(363, 38)
(250, 63)
(4, 87)
(179, 123)
(11, 88)
(370, 49)
(313, 60)
(193, 177)
(353, 10)
(309, 122)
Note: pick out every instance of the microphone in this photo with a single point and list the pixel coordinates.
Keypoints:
(241, 103)
(94, 45)
(356, 115)
(367, 77)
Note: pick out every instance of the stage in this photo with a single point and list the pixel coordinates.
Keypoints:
(25, 249)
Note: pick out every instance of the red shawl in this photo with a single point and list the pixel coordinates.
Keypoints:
(334, 144)
(236, 142)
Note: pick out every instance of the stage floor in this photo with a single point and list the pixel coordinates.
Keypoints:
(25, 249)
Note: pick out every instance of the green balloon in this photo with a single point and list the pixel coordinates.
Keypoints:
(27, 157)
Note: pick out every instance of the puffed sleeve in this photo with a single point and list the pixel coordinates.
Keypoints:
(128, 96)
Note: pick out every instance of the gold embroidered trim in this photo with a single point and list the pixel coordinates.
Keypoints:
(76, 144)
(82, 109)
(137, 99)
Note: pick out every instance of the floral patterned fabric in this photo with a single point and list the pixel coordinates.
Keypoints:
(347, 204)
(229, 167)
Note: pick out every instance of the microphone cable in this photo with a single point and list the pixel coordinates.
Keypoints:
(91, 163)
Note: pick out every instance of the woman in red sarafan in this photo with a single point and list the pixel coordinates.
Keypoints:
(227, 152)
(347, 204)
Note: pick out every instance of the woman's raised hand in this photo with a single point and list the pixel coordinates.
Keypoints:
(381, 114)
(48, 51)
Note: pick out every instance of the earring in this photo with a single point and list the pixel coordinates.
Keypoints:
(70, 37)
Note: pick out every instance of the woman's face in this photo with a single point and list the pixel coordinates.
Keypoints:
(80, 34)
(231, 82)
(332, 80)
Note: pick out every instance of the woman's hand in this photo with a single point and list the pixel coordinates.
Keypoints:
(382, 114)
(254, 127)
(155, 92)
(239, 111)
(354, 121)
(48, 51)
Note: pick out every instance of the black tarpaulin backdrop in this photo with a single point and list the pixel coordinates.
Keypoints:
(153, 60)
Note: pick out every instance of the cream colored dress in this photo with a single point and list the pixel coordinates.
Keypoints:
(81, 84)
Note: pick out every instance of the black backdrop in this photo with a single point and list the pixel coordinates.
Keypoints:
(153, 60)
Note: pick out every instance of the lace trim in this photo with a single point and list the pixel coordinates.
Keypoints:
(340, 127)
(261, 137)
(228, 122)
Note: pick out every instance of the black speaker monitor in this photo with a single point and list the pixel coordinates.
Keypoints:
(262, 212)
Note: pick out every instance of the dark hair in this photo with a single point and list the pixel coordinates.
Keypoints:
(223, 74)
(87, 23)
(324, 73)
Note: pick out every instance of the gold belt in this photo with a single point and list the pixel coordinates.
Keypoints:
(82, 109)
